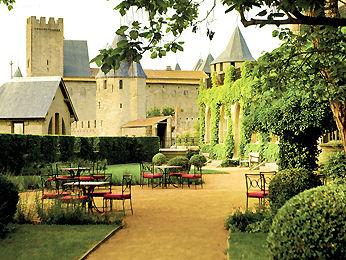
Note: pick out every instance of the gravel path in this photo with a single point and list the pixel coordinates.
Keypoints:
(178, 224)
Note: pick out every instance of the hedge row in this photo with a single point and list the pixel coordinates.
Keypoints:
(18, 151)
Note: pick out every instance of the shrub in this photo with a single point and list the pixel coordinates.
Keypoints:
(155, 111)
(179, 161)
(8, 203)
(24, 183)
(198, 160)
(240, 221)
(59, 214)
(159, 159)
(230, 163)
(288, 183)
(312, 225)
(168, 111)
(335, 167)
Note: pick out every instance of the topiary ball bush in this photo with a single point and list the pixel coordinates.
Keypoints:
(159, 159)
(311, 225)
(288, 183)
(8, 203)
(198, 160)
(179, 161)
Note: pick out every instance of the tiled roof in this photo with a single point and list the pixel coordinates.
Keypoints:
(236, 49)
(174, 76)
(76, 59)
(31, 97)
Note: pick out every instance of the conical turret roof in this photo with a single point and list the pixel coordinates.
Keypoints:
(236, 49)
(204, 64)
(127, 69)
(18, 73)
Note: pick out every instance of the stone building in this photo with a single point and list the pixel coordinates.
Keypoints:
(106, 103)
(36, 105)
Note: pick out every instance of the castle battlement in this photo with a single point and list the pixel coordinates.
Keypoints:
(43, 24)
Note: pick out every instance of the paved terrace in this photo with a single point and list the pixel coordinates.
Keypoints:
(178, 224)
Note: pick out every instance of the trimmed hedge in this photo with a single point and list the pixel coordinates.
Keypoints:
(20, 151)
(311, 225)
(8, 203)
(159, 159)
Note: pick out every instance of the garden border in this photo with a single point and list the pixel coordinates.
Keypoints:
(93, 248)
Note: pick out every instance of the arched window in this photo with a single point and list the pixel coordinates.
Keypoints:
(50, 126)
(63, 127)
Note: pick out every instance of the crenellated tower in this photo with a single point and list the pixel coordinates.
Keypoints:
(44, 47)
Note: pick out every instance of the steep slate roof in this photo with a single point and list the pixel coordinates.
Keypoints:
(31, 98)
(126, 70)
(174, 77)
(204, 64)
(236, 49)
(76, 59)
(145, 121)
(18, 73)
(177, 67)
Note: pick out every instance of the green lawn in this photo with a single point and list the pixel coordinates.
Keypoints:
(248, 246)
(51, 241)
(117, 171)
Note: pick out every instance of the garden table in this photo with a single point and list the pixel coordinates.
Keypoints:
(88, 188)
(165, 170)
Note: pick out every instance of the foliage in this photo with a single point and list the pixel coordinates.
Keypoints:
(269, 152)
(24, 183)
(215, 121)
(182, 161)
(201, 123)
(186, 139)
(217, 152)
(159, 159)
(8, 202)
(288, 183)
(66, 147)
(168, 111)
(198, 160)
(311, 225)
(230, 163)
(8, 3)
(29, 154)
(229, 141)
(155, 111)
(240, 221)
(335, 167)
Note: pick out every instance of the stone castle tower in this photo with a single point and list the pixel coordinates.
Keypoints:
(120, 96)
(44, 47)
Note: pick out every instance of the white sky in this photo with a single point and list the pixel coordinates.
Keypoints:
(96, 22)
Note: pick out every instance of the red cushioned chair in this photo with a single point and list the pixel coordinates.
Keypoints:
(147, 172)
(255, 188)
(50, 188)
(124, 195)
(195, 177)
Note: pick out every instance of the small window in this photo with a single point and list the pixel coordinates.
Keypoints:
(221, 66)
(88, 124)
(121, 105)
(95, 124)
(121, 84)
(47, 62)
(18, 127)
(105, 84)
(57, 123)
(112, 88)
(214, 67)
(82, 124)
(99, 103)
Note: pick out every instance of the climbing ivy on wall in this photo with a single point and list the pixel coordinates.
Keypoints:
(201, 123)
(229, 141)
(215, 122)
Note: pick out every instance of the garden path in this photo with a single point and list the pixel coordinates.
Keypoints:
(178, 224)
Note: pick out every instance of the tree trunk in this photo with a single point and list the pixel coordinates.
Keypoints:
(339, 113)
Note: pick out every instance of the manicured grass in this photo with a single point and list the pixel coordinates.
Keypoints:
(51, 241)
(248, 246)
(118, 170)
